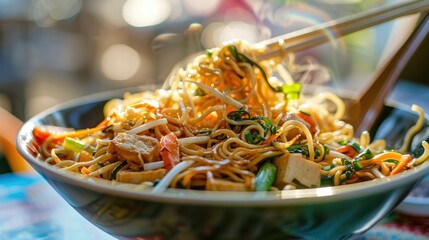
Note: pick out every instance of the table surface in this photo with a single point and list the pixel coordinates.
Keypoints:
(31, 209)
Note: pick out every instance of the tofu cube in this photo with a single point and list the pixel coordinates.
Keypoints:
(294, 169)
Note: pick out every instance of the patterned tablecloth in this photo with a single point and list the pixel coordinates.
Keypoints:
(31, 209)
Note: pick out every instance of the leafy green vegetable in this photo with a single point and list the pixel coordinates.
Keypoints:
(325, 151)
(353, 144)
(209, 53)
(265, 177)
(349, 171)
(253, 138)
(266, 124)
(239, 115)
(327, 181)
(365, 155)
(291, 91)
(303, 149)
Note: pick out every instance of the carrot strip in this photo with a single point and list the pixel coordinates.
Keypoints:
(85, 170)
(78, 133)
(380, 158)
(401, 165)
(347, 150)
(310, 120)
(272, 137)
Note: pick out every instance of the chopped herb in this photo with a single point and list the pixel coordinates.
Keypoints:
(204, 132)
(327, 181)
(266, 124)
(305, 113)
(108, 129)
(253, 138)
(365, 155)
(156, 181)
(349, 171)
(116, 170)
(355, 146)
(303, 150)
(209, 53)
(239, 115)
(325, 152)
(199, 92)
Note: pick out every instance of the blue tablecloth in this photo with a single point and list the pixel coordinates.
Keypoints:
(31, 209)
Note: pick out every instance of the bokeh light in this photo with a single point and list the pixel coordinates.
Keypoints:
(120, 62)
(143, 13)
(47, 12)
(37, 104)
(109, 11)
(217, 33)
(201, 7)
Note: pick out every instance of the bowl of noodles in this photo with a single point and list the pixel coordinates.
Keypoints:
(229, 148)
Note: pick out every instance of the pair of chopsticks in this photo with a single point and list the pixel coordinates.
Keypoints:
(316, 35)
(362, 112)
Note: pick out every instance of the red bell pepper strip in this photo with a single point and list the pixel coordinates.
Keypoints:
(170, 151)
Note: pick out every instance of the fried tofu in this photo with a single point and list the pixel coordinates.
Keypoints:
(128, 147)
(140, 177)
(294, 169)
(225, 185)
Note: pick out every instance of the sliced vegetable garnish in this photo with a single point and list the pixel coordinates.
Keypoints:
(170, 150)
(303, 150)
(42, 132)
(200, 92)
(209, 53)
(77, 145)
(266, 124)
(116, 170)
(239, 115)
(265, 177)
(402, 165)
(365, 154)
(291, 91)
(308, 119)
(361, 164)
(349, 171)
(351, 149)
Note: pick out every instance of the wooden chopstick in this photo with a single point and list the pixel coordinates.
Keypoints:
(363, 112)
(315, 35)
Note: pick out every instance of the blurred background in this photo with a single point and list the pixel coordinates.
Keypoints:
(52, 51)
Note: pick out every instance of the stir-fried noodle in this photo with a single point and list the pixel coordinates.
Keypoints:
(227, 124)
